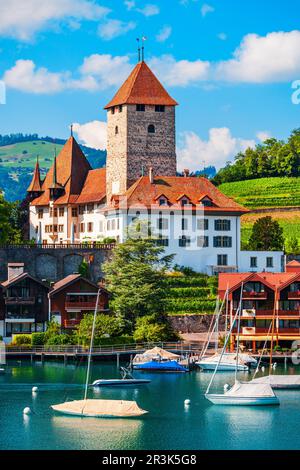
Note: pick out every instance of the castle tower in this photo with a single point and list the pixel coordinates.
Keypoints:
(140, 131)
(35, 187)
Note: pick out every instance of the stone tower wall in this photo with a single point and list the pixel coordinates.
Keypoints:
(133, 148)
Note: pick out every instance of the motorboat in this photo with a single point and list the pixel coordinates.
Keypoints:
(228, 362)
(125, 380)
(157, 359)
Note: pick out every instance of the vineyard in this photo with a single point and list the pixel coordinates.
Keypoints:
(191, 295)
(264, 192)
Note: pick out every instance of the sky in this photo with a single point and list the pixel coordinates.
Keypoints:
(233, 66)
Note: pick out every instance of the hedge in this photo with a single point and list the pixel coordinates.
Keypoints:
(113, 341)
(181, 292)
(191, 305)
(38, 339)
(21, 340)
(187, 281)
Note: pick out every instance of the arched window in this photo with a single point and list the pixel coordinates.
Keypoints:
(116, 130)
(151, 129)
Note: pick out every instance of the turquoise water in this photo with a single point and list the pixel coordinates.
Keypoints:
(169, 425)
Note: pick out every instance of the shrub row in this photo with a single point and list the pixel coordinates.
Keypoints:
(191, 305)
(187, 281)
(183, 292)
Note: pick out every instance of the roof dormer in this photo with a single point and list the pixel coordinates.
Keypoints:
(206, 200)
(162, 200)
(183, 200)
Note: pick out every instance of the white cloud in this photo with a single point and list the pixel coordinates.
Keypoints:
(149, 10)
(205, 9)
(220, 147)
(263, 135)
(97, 72)
(130, 4)
(22, 19)
(93, 134)
(164, 33)
(114, 28)
(181, 72)
(260, 59)
(25, 76)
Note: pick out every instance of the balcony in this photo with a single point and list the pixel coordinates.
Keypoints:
(19, 300)
(294, 295)
(249, 295)
(19, 318)
(248, 313)
(248, 331)
(83, 305)
(71, 323)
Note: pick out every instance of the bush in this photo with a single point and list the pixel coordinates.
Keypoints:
(38, 339)
(21, 340)
(105, 325)
(181, 292)
(62, 339)
(149, 329)
(124, 339)
(190, 305)
(200, 281)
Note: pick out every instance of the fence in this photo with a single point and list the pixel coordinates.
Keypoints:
(58, 246)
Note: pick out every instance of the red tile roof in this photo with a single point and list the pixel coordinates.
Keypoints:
(144, 194)
(142, 87)
(70, 279)
(19, 278)
(35, 185)
(72, 168)
(94, 188)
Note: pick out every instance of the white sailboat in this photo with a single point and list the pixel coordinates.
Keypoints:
(96, 407)
(126, 379)
(2, 357)
(241, 394)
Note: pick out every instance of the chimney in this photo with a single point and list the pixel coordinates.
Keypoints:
(186, 172)
(14, 270)
(151, 175)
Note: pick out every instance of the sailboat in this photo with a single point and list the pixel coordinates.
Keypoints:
(98, 408)
(228, 361)
(2, 358)
(277, 382)
(241, 393)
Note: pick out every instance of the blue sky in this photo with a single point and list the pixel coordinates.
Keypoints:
(230, 65)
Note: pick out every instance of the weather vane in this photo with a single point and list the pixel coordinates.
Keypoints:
(141, 49)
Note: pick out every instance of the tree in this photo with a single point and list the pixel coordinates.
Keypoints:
(292, 246)
(9, 231)
(135, 277)
(84, 270)
(266, 235)
(150, 328)
(106, 326)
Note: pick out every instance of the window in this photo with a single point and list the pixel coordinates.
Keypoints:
(151, 129)
(53, 212)
(74, 211)
(40, 213)
(90, 208)
(113, 224)
(184, 241)
(90, 227)
(162, 201)
(120, 108)
(222, 260)
(184, 224)
(163, 224)
(184, 201)
(113, 110)
(36, 229)
(109, 225)
(162, 241)
(101, 226)
(203, 241)
(140, 107)
(61, 211)
(116, 130)
(75, 228)
(159, 108)
(253, 262)
(222, 225)
(270, 263)
(206, 202)
(81, 210)
(55, 228)
(82, 228)
(60, 228)
(202, 224)
(118, 224)
(222, 242)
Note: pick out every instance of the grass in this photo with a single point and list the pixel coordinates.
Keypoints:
(264, 192)
(288, 220)
(13, 156)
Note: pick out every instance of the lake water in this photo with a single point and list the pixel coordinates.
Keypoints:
(169, 425)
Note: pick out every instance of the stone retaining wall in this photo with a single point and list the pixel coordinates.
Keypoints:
(193, 323)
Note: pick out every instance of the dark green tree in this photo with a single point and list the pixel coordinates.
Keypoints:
(266, 235)
(135, 276)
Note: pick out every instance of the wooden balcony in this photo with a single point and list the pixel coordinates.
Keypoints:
(254, 295)
(253, 331)
(19, 300)
(83, 305)
(71, 323)
(294, 295)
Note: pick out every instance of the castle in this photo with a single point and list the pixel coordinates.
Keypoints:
(189, 216)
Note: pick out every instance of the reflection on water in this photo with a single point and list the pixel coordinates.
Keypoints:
(170, 423)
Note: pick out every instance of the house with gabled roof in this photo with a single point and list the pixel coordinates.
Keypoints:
(188, 215)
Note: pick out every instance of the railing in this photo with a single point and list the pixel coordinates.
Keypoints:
(254, 295)
(84, 305)
(265, 331)
(179, 347)
(19, 300)
(52, 246)
(294, 295)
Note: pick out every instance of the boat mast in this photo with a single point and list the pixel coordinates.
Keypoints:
(91, 346)
(238, 332)
(273, 331)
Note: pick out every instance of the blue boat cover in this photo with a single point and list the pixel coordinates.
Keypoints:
(163, 365)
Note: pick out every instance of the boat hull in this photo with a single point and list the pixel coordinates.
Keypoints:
(219, 399)
(164, 366)
(100, 409)
(222, 367)
(120, 382)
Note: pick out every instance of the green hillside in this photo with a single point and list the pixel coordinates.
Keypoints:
(17, 162)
